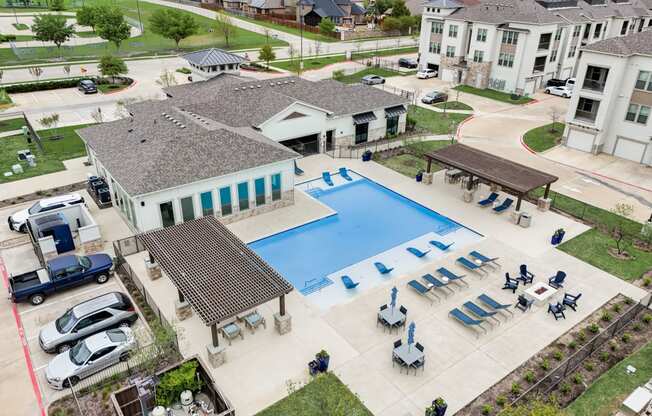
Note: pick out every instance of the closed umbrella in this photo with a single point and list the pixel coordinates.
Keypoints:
(393, 299)
(410, 339)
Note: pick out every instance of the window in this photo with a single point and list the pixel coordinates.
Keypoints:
(243, 196)
(452, 31)
(259, 185)
(167, 214)
(478, 56)
(544, 41)
(595, 78)
(558, 34)
(571, 51)
(623, 29)
(587, 109)
(481, 35)
(435, 47)
(587, 30)
(225, 200)
(540, 64)
(510, 37)
(392, 125)
(437, 27)
(187, 209)
(576, 31)
(206, 203)
(276, 187)
(638, 113)
(644, 80)
(506, 59)
(450, 51)
(553, 56)
(597, 31)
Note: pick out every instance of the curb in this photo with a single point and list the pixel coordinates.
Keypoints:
(122, 90)
(459, 127)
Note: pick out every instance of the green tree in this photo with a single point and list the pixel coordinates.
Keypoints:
(326, 26)
(267, 53)
(56, 5)
(407, 22)
(225, 28)
(86, 16)
(112, 66)
(52, 28)
(111, 26)
(173, 24)
(399, 8)
(391, 24)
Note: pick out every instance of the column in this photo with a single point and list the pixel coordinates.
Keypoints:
(282, 320)
(543, 203)
(153, 269)
(182, 307)
(216, 353)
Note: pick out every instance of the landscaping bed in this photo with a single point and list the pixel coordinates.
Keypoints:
(66, 189)
(408, 159)
(433, 122)
(12, 124)
(494, 95)
(545, 137)
(356, 77)
(454, 105)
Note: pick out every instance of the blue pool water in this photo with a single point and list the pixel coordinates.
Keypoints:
(370, 219)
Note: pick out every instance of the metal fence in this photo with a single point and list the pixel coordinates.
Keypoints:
(356, 151)
(33, 135)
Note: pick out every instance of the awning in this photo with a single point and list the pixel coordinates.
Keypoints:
(363, 118)
(395, 111)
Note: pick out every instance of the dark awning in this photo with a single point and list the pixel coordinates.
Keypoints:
(395, 111)
(363, 118)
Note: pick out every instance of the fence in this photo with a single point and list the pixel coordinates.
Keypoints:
(33, 135)
(356, 151)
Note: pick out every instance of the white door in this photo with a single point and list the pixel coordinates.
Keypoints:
(629, 149)
(580, 140)
(529, 87)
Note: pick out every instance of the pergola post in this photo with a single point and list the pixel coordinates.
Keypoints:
(547, 191)
(468, 191)
(181, 297)
(429, 164)
(216, 353)
(153, 269)
(543, 204)
(518, 202)
(282, 320)
(281, 305)
(182, 307)
(214, 336)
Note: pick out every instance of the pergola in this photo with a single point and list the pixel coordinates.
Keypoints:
(513, 177)
(216, 273)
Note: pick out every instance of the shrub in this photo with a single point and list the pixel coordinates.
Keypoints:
(338, 74)
(626, 337)
(529, 377)
(588, 366)
(545, 364)
(572, 345)
(45, 85)
(604, 356)
(7, 38)
(577, 378)
(558, 355)
(174, 382)
(581, 335)
(647, 318)
(487, 409)
(629, 301)
(501, 400)
(613, 345)
(593, 328)
(617, 307)
(637, 327)
(184, 70)
(565, 388)
(516, 389)
(647, 281)
(605, 317)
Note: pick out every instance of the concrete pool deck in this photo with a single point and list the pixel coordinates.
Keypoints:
(459, 366)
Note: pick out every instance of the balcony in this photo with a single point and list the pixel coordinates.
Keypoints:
(592, 85)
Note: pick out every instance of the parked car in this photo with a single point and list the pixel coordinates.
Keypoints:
(18, 220)
(372, 79)
(434, 97)
(560, 91)
(87, 86)
(554, 82)
(426, 73)
(111, 310)
(408, 63)
(60, 273)
(90, 356)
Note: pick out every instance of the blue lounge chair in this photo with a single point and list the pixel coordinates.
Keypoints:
(557, 280)
(466, 320)
(381, 268)
(489, 200)
(349, 283)
(571, 300)
(326, 176)
(422, 290)
(417, 252)
(345, 174)
(430, 279)
(490, 302)
(525, 276)
(469, 265)
(481, 313)
(452, 277)
(440, 245)
(504, 206)
(510, 284)
(297, 170)
(557, 310)
(484, 259)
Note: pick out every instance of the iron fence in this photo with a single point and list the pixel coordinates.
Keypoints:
(356, 151)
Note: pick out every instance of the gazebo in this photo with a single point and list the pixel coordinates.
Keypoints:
(216, 275)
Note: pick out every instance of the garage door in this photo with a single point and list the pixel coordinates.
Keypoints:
(529, 87)
(629, 149)
(580, 140)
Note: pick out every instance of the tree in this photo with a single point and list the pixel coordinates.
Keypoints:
(391, 24)
(112, 66)
(399, 8)
(623, 211)
(267, 53)
(326, 26)
(35, 71)
(225, 28)
(52, 28)
(66, 70)
(111, 26)
(56, 5)
(86, 16)
(51, 121)
(173, 24)
(167, 78)
(555, 114)
(408, 22)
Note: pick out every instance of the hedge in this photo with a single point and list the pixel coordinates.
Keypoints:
(62, 83)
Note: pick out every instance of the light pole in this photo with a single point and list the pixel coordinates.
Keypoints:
(301, 4)
(140, 21)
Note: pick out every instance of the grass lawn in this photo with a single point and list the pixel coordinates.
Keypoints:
(324, 395)
(357, 76)
(104, 88)
(55, 151)
(454, 105)
(434, 122)
(11, 124)
(493, 94)
(87, 34)
(20, 26)
(606, 394)
(286, 29)
(322, 61)
(542, 138)
(5, 100)
(408, 164)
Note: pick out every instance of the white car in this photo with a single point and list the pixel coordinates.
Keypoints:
(90, 356)
(560, 91)
(426, 73)
(18, 220)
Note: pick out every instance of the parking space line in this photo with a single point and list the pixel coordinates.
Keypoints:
(39, 368)
(67, 298)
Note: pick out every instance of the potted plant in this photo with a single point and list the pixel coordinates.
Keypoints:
(438, 407)
(419, 176)
(323, 358)
(558, 236)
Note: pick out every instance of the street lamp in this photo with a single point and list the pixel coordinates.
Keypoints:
(140, 20)
(301, 3)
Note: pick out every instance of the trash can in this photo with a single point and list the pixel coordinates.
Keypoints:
(525, 220)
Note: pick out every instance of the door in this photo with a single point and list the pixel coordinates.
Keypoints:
(92, 324)
(329, 140)
(187, 209)
(629, 149)
(361, 133)
(100, 360)
(167, 214)
(580, 140)
(529, 87)
(69, 277)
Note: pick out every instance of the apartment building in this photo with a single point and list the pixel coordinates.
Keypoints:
(517, 45)
(610, 111)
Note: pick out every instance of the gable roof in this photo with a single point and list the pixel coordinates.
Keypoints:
(212, 56)
(639, 43)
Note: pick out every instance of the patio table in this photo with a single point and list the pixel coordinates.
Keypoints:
(392, 316)
(408, 354)
(540, 292)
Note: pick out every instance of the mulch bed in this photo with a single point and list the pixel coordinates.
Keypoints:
(43, 194)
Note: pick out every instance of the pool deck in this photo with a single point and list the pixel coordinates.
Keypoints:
(459, 366)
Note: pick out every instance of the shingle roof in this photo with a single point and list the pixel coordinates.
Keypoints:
(327, 8)
(212, 56)
(196, 91)
(639, 43)
(444, 4)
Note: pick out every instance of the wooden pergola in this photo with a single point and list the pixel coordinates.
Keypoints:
(513, 177)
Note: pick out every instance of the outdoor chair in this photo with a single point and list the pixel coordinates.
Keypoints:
(571, 300)
(430, 279)
(419, 364)
(349, 283)
(397, 344)
(557, 310)
(452, 277)
(403, 310)
(297, 170)
(487, 300)
(326, 176)
(504, 206)
(419, 347)
(383, 307)
(481, 313)
(524, 303)
(510, 284)
(382, 268)
(417, 252)
(231, 331)
(422, 290)
(469, 265)
(254, 320)
(345, 174)
(440, 245)
(490, 261)
(557, 280)
(524, 275)
(488, 200)
(466, 320)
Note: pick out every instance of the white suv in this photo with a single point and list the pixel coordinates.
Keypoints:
(18, 220)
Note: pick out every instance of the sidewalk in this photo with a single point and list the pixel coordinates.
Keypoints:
(75, 172)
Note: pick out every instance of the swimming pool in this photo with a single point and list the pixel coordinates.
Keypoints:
(370, 219)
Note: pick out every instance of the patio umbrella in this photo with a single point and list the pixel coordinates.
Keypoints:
(410, 339)
(393, 299)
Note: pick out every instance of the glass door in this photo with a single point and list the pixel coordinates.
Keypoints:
(167, 214)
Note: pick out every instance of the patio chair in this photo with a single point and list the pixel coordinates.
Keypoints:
(466, 320)
(504, 206)
(557, 310)
(489, 261)
(403, 310)
(345, 174)
(349, 283)
(510, 284)
(557, 280)
(488, 200)
(326, 176)
(381, 268)
(524, 275)
(452, 277)
(481, 313)
(419, 363)
(487, 300)
(231, 331)
(571, 300)
(297, 170)
(417, 252)
(524, 303)
(422, 290)
(402, 322)
(437, 283)
(397, 344)
(379, 317)
(471, 266)
(254, 320)
(440, 245)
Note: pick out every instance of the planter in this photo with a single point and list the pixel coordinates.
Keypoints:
(323, 363)
(366, 156)
(436, 409)
(313, 367)
(419, 177)
(557, 238)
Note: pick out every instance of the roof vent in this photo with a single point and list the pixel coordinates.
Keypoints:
(279, 83)
(182, 126)
(235, 89)
(258, 86)
(130, 130)
(143, 140)
(251, 87)
(164, 114)
(285, 82)
(271, 84)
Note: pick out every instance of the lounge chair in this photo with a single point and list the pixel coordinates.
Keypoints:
(489, 261)
(452, 277)
(417, 252)
(422, 290)
(466, 320)
(326, 176)
(440, 245)
(571, 300)
(430, 279)
(488, 200)
(524, 303)
(297, 170)
(504, 206)
(481, 313)
(349, 283)
(524, 275)
(345, 174)
(381, 268)
(510, 284)
(557, 310)
(254, 320)
(231, 331)
(469, 265)
(557, 280)
(487, 300)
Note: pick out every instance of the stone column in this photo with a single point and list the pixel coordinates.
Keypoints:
(543, 204)
(282, 323)
(182, 308)
(514, 216)
(427, 178)
(467, 196)
(153, 269)
(216, 353)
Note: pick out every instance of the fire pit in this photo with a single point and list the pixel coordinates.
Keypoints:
(540, 292)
